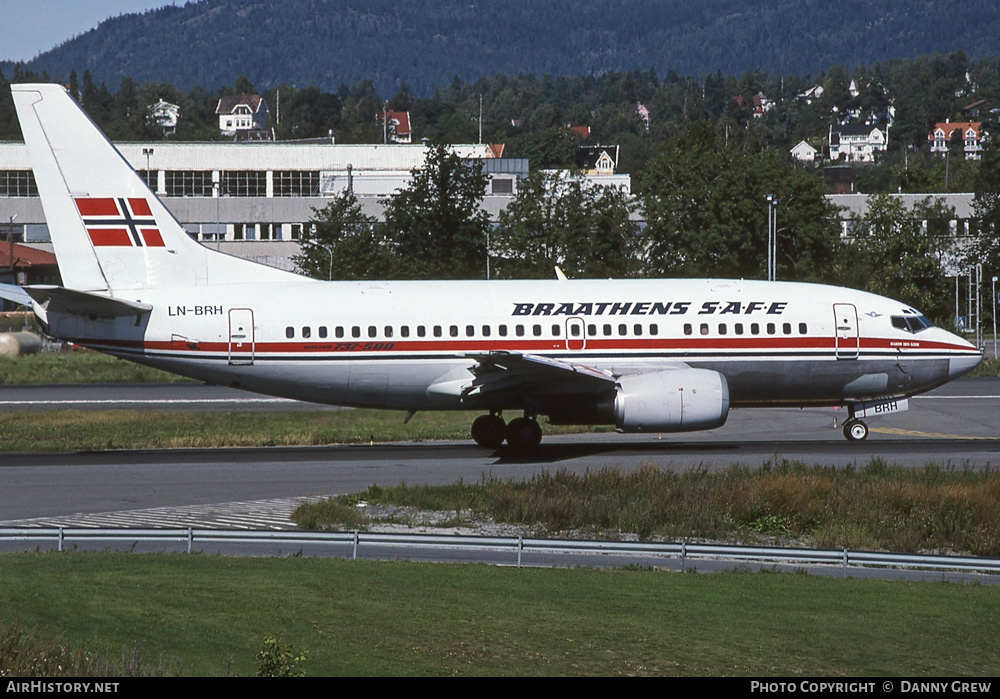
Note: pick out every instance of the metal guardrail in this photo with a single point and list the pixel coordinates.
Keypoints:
(684, 551)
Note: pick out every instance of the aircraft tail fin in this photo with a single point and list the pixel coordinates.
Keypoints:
(109, 231)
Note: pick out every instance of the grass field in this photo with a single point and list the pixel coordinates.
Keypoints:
(79, 366)
(875, 507)
(208, 615)
(73, 430)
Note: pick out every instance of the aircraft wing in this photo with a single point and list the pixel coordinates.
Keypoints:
(502, 372)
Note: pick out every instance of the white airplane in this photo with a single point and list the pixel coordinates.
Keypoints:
(643, 355)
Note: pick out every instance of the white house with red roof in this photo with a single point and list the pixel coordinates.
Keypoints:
(397, 126)
(971, 134)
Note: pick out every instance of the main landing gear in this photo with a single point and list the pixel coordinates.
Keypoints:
(491, 431)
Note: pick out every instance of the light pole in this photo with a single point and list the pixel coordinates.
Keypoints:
(328, 250)
(994, 317)
(148, 152)
(772, 237)
(10, 243)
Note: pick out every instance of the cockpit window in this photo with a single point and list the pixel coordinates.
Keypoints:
(911, 324)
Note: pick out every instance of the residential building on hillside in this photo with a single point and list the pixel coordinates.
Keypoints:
(970, 132)
(164, 115)
(804, 153)
(597, 160)
(397, 126)
(858, 143)
(243, 117)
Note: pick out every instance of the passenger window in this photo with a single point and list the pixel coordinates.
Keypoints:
(786, 328)
(704, 328)
(770, 328)
(289, 332)
(404, 331)
(388, 331)
(637, 329)
(803, 330)
(322, 331)
(722, 328)
(503, 330)
(372, 331)
(355, 331)
(654, 329)
(536, 330)
(421, 331)
(453, 330)
(738, 328)
(555, 330)
(486, 331)
(470, 331)
(306, 332)
(519, 330)
(688, 329)
(622, 329)
(754, 329)
(339, 331)
(574, 330)
(592, 330)
(437, 331)
(607, 329)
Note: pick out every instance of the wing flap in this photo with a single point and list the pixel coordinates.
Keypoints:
(500, 372)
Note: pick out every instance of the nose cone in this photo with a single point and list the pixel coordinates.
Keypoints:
(960, 366)
(966, 356)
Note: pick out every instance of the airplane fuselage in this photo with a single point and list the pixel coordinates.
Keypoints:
(401, 344)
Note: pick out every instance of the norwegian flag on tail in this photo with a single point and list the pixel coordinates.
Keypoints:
(119, 222)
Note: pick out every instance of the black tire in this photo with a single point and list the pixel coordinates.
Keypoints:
(855, 431)
(523, 433)
(489, 431)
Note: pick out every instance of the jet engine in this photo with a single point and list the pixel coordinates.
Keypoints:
(678, 400)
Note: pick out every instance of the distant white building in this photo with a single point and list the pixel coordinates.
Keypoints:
(813, 93)
(164, 115)
(397, 126)
(857, 143)
(243, 116)
(971, 134)
(804, 153)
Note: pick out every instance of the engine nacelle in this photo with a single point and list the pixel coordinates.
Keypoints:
(679, 400)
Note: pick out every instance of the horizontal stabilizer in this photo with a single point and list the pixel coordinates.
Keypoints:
(60, 300)
(15, 294)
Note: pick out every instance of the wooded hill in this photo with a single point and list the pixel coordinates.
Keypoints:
(423, 44)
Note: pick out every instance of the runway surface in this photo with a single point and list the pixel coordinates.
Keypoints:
(956, 426)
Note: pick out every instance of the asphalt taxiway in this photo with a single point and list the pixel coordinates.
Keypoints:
(955, 426)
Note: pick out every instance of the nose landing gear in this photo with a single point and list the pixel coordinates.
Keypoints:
(855, 430)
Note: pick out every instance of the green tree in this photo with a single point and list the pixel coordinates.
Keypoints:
(703, 199)
(342, 242)
(437, 222)
(561, 221)
(893, 254)
(985, 244)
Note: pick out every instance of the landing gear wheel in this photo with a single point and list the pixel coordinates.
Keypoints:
(855, 430)
(523, 433)
(489, 431)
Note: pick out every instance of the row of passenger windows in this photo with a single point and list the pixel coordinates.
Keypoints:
(574, 330)
(740, 329)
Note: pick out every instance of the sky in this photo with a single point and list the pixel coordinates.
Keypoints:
(31, 27)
